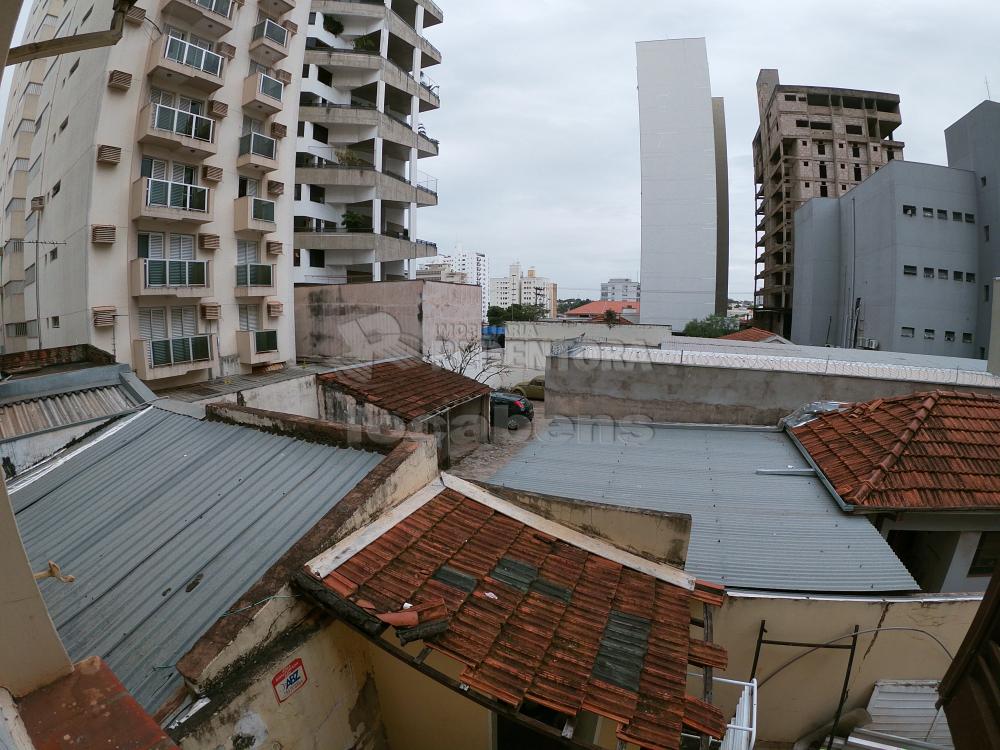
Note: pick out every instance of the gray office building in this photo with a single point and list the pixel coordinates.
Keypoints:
(902, 262)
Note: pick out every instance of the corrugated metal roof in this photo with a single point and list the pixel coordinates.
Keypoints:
(856, 363)
(60, 397)
(749, 530)
(906, 708)
(165, 523)
(40, 414)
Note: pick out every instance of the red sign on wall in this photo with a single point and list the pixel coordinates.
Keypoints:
(289, 680)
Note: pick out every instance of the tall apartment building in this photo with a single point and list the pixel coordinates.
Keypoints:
(517, 288)
(812, 142)
(475, 267)
(685, 184)
(905, 261)
(144, 186)
(360, 140)
(620, 290)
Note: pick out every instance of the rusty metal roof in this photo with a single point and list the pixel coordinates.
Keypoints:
(533, 615)
(409, 388)
(925, 451)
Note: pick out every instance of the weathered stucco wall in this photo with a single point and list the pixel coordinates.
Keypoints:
(296, 396)
(805, 695)
(386, 319)
(709, 395)
(336, 709)
(662, 537)
(344, 408)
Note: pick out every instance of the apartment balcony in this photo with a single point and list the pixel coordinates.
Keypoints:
(177, 130)
(206, 18)
(257, 347)
(13, 302)
(269, 42)
(386, 126)
(346, 62)
(168, 358)
(262, 94)
(175, 62)
(255, 215)
(365, 247)
(387, 186)
(171, 201)
(276, 8)
(258, 153)
(429, 54)
(402, 80)
(152, 277)
(256, 280)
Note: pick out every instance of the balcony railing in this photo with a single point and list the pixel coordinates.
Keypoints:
(265, 341)
(271, 87)
(177, 351)
(270, 30)
(220, 7)
(174, 273)
(183, 123)
(254, 274)
(255, 143)
(176, 195)
(262, 210)
(195, 57)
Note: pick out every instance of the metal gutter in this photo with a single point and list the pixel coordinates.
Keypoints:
(844, 506)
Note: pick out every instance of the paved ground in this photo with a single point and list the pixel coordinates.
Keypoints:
(483, 462)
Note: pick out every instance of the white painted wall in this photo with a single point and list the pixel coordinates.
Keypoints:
(679, 203)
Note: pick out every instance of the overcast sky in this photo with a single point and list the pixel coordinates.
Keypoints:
(539, 120)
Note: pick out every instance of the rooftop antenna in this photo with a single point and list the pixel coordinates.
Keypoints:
(988, 95)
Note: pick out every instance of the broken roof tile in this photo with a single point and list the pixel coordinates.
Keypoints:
(532, 617)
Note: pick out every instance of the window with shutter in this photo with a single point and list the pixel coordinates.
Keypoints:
(248, 187)
(151, 245)
(182, 247)
(183, 321)
(152, 323)
(251, 125)
(158, 96)
(184, 173)
(249, 318)
(247, 251)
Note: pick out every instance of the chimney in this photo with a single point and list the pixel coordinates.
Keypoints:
(993, 354)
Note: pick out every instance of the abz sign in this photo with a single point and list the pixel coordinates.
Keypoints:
(289, 680)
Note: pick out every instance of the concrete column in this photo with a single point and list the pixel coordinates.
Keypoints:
(376, 271)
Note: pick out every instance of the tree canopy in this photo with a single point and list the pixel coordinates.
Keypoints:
(711, 327)
(497, 316)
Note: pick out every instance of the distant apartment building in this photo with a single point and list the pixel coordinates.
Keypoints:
(685, 184)
(475, 267)
(441, 272)
(144, 187)
(812, 142)
(358, 186)
(905, 261)
(620, 290)
(517, 288)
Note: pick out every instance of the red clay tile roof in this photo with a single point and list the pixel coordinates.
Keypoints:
(924, 451)
(752, 334)
(408, 388)
(599, 308)
(536, 618)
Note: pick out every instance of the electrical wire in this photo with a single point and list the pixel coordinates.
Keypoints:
(794, 659)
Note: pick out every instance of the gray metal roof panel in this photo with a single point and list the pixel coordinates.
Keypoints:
(749, 530)
(164, 502)
(62, 410)
(229, 384)
(907, 708)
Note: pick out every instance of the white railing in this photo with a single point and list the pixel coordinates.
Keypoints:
(741, 732)
(271, 87)
(270, 30)
(183, 123)
(193, 56)
(220, 7)
(166, 194)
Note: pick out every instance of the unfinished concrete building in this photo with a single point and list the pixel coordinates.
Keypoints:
(812, 142)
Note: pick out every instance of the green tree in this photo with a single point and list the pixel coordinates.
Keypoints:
(497, 316)
(711, 327)
(568, 304)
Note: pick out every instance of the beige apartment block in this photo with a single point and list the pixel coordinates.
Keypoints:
(358, 187)
(517, 288)
(144, 187)
(813, 142)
